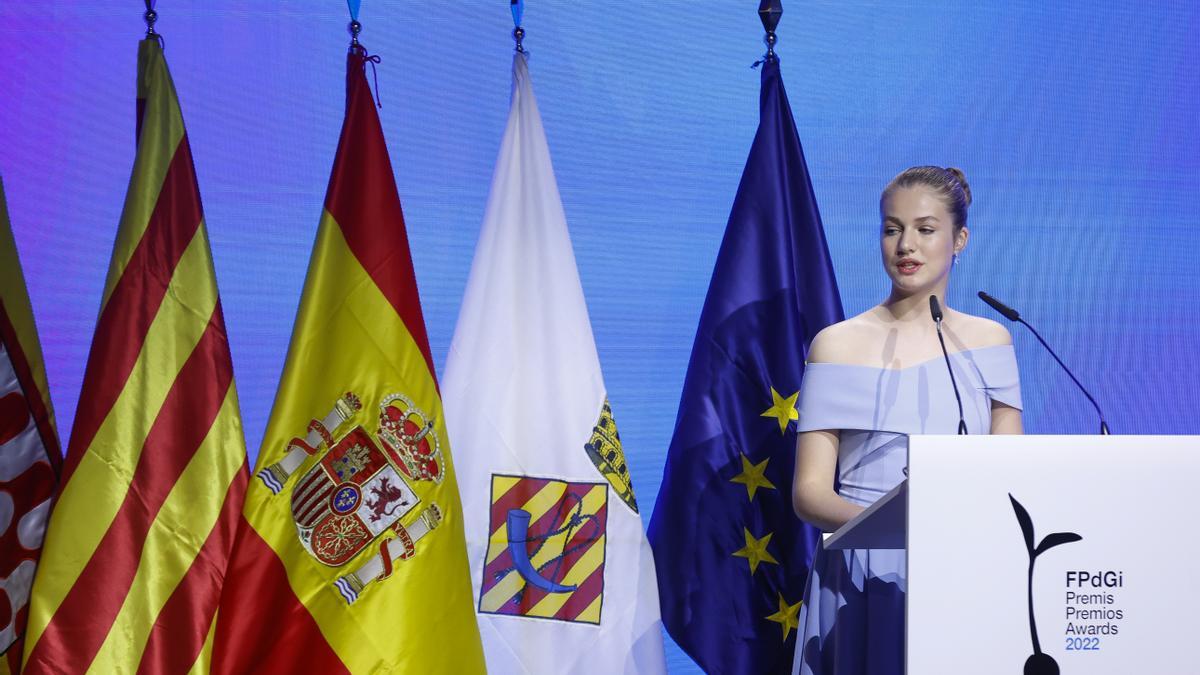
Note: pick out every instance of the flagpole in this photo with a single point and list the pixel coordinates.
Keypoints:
(518, 9)
(150, 17)
(355, 27)
(769, 12)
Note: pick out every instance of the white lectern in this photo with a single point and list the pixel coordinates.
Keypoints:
(1109, 521)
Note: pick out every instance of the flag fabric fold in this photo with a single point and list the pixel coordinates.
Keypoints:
(350, 556)
(155, 471)
(562, 572)
(30, 457)
(732, 557)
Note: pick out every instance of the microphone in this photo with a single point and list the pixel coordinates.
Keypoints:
(1006, 311)
(935, 310)
(1012, 315)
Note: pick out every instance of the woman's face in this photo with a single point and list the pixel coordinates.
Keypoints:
(918, 240)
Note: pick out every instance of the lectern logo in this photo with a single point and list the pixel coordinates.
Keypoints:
(1038, 663)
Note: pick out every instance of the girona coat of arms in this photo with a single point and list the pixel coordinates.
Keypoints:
(360, 488)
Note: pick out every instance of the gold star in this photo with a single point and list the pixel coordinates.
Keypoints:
(782, 409)
(788, 616)
(752, 476)
(756, 550)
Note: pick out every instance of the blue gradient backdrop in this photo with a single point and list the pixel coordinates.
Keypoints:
(1076, 124)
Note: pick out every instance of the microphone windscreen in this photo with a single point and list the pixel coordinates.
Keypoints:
(1008, 312)
(935, 309)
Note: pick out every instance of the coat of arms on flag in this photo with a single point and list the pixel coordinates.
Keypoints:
(361, 486)
(604, 449)
(545, 556)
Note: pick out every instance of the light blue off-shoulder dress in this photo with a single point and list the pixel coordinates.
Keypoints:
(852, 618)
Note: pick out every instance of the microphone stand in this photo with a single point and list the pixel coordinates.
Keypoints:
(1103, 425)
(935, 310)
(1012, 315)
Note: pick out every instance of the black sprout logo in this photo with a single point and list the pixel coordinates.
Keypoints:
(1038, 663)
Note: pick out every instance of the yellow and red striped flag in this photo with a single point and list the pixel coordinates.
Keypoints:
(30, 457)
(351, 557)
(155, 472)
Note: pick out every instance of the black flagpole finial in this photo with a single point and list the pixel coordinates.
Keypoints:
(769, 12)
(518, 9)
(150, 17)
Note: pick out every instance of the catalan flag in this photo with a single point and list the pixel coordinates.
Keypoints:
(563, 573)
(30, 457)
(155, 472)
(351, 557)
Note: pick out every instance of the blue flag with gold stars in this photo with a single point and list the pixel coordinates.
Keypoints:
(732, 556)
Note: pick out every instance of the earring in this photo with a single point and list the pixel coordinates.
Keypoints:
(955, 259)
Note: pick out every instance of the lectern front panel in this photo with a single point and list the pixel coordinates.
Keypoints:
(1070, 552)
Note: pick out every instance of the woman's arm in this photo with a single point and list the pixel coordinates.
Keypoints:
(1006, 419)
(813, 497)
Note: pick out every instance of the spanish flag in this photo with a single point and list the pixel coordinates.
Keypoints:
(30, 457)
(155, 472)
(351, 556)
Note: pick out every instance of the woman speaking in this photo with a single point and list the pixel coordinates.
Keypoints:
(871, 381)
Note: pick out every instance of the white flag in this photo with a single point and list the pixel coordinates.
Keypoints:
(563, 575)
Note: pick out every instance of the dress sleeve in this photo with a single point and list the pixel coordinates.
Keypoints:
(836, 396)
(1001, 381)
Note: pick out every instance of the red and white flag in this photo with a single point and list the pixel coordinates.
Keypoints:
(30, 457)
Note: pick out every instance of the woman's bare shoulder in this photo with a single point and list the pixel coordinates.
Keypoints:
(977, 332)
(843, 342)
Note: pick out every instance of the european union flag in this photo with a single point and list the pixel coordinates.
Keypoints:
(731, 555)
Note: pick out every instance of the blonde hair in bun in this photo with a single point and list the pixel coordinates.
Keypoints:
(949, 184)
(962, 181)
